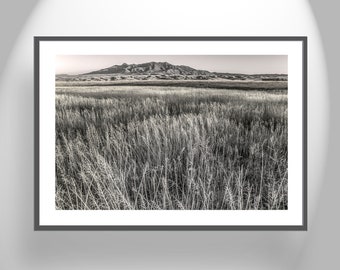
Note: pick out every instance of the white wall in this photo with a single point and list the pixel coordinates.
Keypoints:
(22, 248)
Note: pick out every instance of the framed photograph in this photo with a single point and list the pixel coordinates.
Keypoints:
(170, 133)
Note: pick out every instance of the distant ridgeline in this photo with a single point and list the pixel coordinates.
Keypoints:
(163, 71)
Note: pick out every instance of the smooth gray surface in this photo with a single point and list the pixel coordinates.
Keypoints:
(322, 248)
(164, 250)
(13, 14)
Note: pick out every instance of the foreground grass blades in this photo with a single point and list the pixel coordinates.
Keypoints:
(149, 147)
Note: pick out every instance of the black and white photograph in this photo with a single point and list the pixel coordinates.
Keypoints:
(153, 132)
(180, 132)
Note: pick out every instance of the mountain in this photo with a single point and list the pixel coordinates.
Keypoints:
(151, 68)
(152, 71)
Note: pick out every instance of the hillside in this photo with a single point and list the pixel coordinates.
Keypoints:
(152, 71)
(151, 68)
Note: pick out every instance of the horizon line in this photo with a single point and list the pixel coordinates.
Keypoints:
(214, 72)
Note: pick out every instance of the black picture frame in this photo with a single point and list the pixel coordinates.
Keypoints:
(39, 227)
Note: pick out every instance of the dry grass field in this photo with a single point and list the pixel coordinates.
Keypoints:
(163, 147)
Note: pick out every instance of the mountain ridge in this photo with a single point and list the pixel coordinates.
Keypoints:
(152, 68)
(164, 71)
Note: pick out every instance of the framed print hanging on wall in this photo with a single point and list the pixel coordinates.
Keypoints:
(170, 133)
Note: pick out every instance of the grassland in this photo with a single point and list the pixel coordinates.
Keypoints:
(152, 147)
(214, 84)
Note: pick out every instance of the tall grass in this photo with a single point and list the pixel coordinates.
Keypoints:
(171, 148)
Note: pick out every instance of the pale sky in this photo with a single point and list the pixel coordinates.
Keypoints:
(247, 64)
